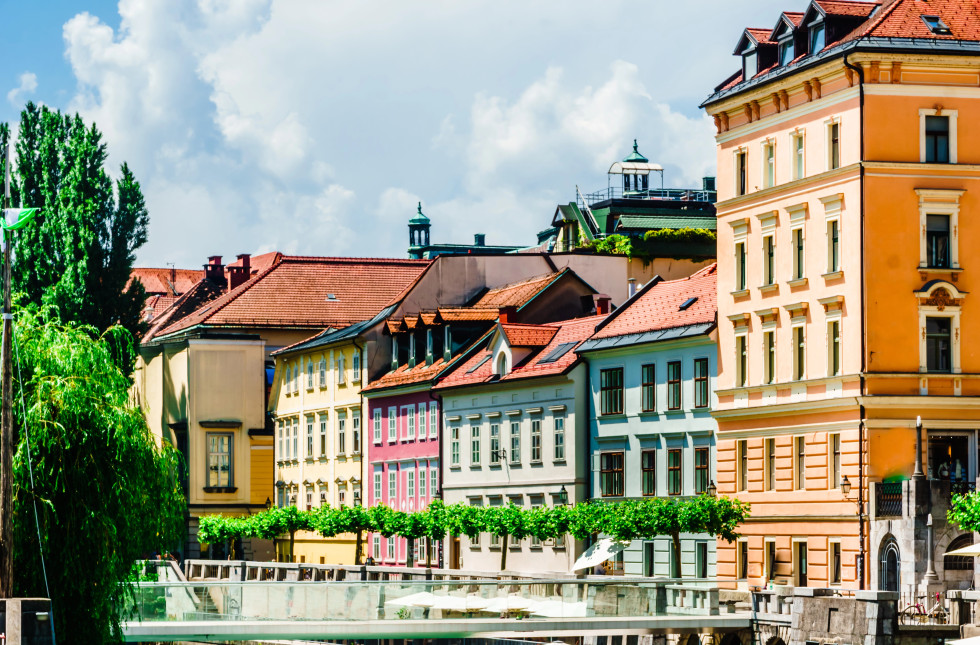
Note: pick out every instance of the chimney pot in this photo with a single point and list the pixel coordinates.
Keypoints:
(480, 239)
(214, 270)
(602, 304)
(631, 290)
(508, 315)
(246, 261)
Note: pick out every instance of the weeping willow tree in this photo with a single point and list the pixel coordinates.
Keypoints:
(105, 492)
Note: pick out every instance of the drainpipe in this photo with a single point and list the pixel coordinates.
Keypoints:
(862, 550)
(359, 543)
(435, 494)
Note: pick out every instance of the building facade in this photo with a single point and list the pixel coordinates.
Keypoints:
(515, 431)
(845, 164)
(652, 367)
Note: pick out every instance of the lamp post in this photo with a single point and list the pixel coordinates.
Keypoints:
(563, 496)
(712, 490)
(845, 486)
(918, 473)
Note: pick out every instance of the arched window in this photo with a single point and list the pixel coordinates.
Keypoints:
(890, 571)
(502, 364)
(959, 562)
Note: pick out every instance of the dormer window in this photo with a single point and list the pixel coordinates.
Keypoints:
(750, 63)
(936, 25)
(818, 38)
(501, 364)
(786, 51)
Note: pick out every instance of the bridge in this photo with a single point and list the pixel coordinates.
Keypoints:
(221, 609)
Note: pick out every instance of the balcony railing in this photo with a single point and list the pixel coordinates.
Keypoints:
(669, 194)
(888, 499)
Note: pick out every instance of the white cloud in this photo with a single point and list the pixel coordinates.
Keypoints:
(27, 87)
(315, 127)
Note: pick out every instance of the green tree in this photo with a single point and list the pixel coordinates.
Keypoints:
(964, 511)
(105, 492)
(79, 256)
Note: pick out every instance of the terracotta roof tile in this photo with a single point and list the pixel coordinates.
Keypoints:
(404, 375)
(463, 314)
(515, 294)
(528, 335)
(903, 19)
(851, 8)
(569, 331)
(199, 295)
(761, 35)
(297, 292)
(795, 17)
(659, 306)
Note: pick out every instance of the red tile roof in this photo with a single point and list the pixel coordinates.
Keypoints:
(569, 331)
(528, 335)
(853, 8)
(903, 19)
(795, 17)
(658, 306)
(461, 314)
(516, 294)
(404, 375)
(297, 292)
(761, 35)
(158, 281)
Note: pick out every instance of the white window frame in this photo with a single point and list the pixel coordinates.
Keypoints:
(833, 207)
(433, 480)
(797, 142)
(376, 547)
(939, 202)
(514, 452)
(377, 425)
(410, 479)
(770, 371)
(768, 223)
(309, 374)
(768, 163)
(830, 561)
(536, 433)
(288, 379)
(433, 420)
(493, 455)
(454, 446)
(740, 359)
(409, 413)
(423, 484)
(797, 223)
(740, 559)
(951, 115)
(828, 129)
(341, 433)
(476, 443)
(356, 367)
(741, 150)
(559, 437)
(798, 325)
(953, 313)
(799, 475)
(392, 424)
(323, 372)
(740, 234)
(795, 554)
(377, 487)
(832, 318)
(355, 431)
(279, 437)
(341, 371)
(392, 487)
(390, 548)
(423, 421)
(310, 423)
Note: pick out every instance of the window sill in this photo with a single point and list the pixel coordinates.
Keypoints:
(619, 415)
(923, 269)
(456, 467)
(769, 288)
(476, 467)
(648, 413)
(536, 462)
(309, 460)
(799, 282)
(559, 462)
(496, 466)
(515, 464)
(833, 275)
(740, 293)
(674, 413)
(220, 489)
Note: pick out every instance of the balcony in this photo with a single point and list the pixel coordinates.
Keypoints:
(898, 499)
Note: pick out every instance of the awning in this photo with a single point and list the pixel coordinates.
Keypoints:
(972, 550)
(604, 549)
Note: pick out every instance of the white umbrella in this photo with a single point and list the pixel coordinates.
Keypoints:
(598, 553)
(421, 599)
(455, 603)
(973, 640)
(507, 603)
(972, 550)
(558, 609)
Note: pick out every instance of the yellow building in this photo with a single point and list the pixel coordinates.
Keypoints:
(204, 371)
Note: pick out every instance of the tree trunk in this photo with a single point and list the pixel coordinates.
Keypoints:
(676, 546)
(358, 546)
(410, 556)
(503, 552)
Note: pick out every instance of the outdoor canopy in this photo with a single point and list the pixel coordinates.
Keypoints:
(972, 550)
(598, 553)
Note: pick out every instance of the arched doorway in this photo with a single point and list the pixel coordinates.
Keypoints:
(731, 639)
(775, 640)
(889, 578)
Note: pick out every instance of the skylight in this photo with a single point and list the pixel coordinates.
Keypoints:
(478, 365)
(687, 303)
(936, 25)
(557, 353)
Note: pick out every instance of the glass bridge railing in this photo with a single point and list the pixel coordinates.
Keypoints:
(420, 600)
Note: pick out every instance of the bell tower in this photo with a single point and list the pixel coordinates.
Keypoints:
(418, 234)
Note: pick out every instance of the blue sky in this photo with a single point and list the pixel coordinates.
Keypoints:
(314, 126)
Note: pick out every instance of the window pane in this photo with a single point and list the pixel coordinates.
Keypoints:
(649, 388)
(673, 472)
(674, 385)
(649, 465)
(701, 383)
(937, 241)
(938, 346)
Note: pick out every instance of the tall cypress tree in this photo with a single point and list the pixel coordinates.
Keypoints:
(79, 255)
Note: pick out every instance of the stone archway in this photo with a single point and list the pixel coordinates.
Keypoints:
(775, 640)
(731, 639)
(889, 565)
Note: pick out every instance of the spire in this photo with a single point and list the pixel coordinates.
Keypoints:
(635, 155)
(420, 217)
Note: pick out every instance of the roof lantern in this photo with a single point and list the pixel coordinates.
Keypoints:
(635, 155)
(420, 217)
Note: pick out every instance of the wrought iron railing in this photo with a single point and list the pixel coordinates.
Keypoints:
(670, 194)
(888, 499)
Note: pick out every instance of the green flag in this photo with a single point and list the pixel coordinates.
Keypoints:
(15, 218)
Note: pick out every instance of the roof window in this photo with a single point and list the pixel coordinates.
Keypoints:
(818, 38)
(557, 353)
(331, 296)
(936, 25)
(786, 51)
(478, 365)
(687, 303)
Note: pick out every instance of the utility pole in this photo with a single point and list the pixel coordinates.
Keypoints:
(6, 409)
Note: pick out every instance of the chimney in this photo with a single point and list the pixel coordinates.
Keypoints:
(214, 270)
(238, 275)
(602, 302)
(480, 239)
(708, 183)
(631, 289)
(508, 315)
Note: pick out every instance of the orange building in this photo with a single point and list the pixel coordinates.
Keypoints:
(848, 160)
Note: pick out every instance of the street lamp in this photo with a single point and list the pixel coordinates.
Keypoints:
(357, 497)
(563, 496)
(712, 489)
(845, 486)
(268, 503)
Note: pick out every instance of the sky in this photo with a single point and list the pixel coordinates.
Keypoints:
(315, 126)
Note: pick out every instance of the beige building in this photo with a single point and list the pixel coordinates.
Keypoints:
(204, 370)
